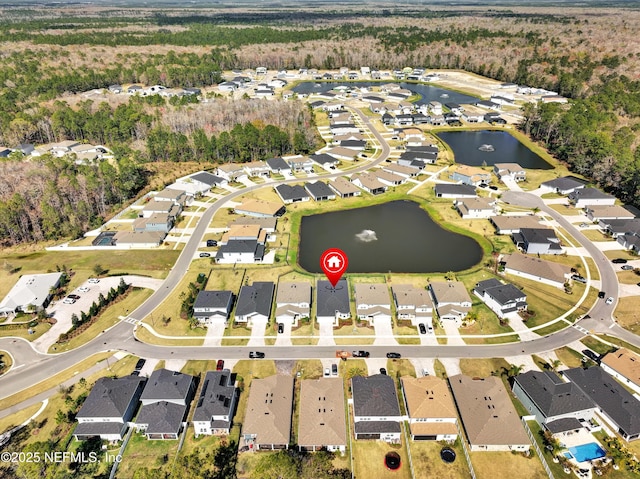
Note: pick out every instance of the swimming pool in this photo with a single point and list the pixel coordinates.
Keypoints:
(586, 452)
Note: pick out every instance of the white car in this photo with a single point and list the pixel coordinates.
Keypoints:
(83, 289)
(609, 300)
(68, 300)
(93, 281)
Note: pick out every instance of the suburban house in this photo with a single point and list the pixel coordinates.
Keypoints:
(257, 168)
(31, 292)
(474, 208)
(260, 208)
(620, 227)
(266, 224)
(372, 301)
(510, 224)
(500, 298)
(607, 212)
(342, 153)
(512, 171)
(344, 188)
(200, 182)
(473, 116)
(354, 145)
(165, 403)
(624, 365)
(376, 412)
(231, 171)
(388, 178)
(563, 185)
(451, 299)
(369, 182)
(412, 303)
(156, 222)
(254, 302)
(244, 232)
(490, 421)
(240, 251)
(324, 160)
(267, 422)
(278, 165)
(322, 420)
(470, 175)
(430, 407)
(489, 105)
(400, 170)
(108, 408)
(450, 190)
(177, 197)
(590, 196)
(629, 241)
(227, 86)
(210, 305)
(138, 239)
(292, 193)
(537, 241)
(414, 153)
(162, 207)
(558, 406)
(213, 414)
(332, 304)
(547, 272)
(319, 191)
(300, 163)
(614, 404)
(293, 301)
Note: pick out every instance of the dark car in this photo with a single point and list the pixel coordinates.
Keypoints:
(578, 278)
(73, 296)
(601, 294)
(205, 255)
(334, 369)
(619, 261)
(211, 243)
(394, 355)
(493, 187)
(141, 362)
(422, 328)
(280, 328)
(256, 355)
(383, 371)
(627, 267)
(360, 354)
(591, 355)
(220, 365)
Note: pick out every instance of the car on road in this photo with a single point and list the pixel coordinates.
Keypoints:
(601, 294)
(140, 364)
(211, 243)
(578, 278)
(256, 355)
(618, 261)
(383, 371)
(422, 328)
(360, 354)
(93, 281)
(626, 267)
(584, 225)
(493, 187)
(327, 372)
(394, 355)
(220, 365)
(280, 328)
(591, 355)
(334, 369)
(609, 300)
(83, 289)
(205, 255)
(73, 296)
(68, 301)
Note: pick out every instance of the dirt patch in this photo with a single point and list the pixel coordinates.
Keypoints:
(285, 366)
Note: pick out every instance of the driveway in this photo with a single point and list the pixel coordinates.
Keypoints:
(453, 335)
(284, 339)
(384, 332)
(326, 332)
(423, 365)
(215, 331)
(258, 326)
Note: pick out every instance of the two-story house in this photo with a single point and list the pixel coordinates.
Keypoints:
(451, 299)
(430, 407)
(293, 301)
(501, 298)
(210, 305)
(213, 414)
(376, 412)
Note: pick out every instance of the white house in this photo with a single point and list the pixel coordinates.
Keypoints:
(372, 301)
(293, 301)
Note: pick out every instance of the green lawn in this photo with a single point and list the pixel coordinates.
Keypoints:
(369, 460)
(482, 368)
(597, 346)
(570, 357)
(620, 343)
(486, 465)
(627, 313)
(38, 331)
(141, 452)
(304, 329)
(234, 330)
(350, 335)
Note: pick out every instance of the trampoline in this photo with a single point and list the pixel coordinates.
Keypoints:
(448, 455)
(392, 460)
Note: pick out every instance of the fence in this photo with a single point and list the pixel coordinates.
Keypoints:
(538, 450)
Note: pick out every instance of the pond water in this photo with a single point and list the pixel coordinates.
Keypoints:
(428, 92)
(398, 236)
(479, 148)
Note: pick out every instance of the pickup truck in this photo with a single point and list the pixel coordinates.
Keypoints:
(360, 354)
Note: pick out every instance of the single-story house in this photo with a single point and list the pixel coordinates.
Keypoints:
(332, 303)
(212, 304)
(267, 421)
(139, 239)
(165, 207)
(480, 207)
(319, 191)
(31, 292)
(624, 365)
(260, 208)
(388, 178)
(293, 301)
(292, 193)
(450, 190)
(489, 105)
(254, 302)
(376, 412)
(372, 301)
(177, 197)
(200, 182)
(412, 303)
(547, 272)
(414, 153)
(300, 163)
(470, 175)
(607, 212)
(451, 299)
(537, 241)
(583, 197)
(324, 160)
(490, 421)
(322, 420)
(430, 409)
(512, 171)
(369, 182)
(510, 224)
(500, 298)
(400, 170)
(266, 224)
(563, 185)
(354, 145)
(344, 188)
(342, 153)
(216, 405)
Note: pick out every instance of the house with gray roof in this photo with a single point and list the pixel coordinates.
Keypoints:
(319, 191)
(553, 401)
(450, 190)
(254, 302)
(620, 227)
(501, 298)
(32, 291)
(584, 197)
(213, 414)
(324, 160)
(563, 185)
(210, 305)
(614, 404)
(200, 182)
(293, 301)
(413, 153)
(108, 408)
(376, 411)
(292, 193)
(470, 208)
(332, 304)
(278, 165)
(165, 403)
(537, 241)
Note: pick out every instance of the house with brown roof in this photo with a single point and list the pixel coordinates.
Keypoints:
(260, 208)
(401, 170)
(257, 168)
(244, 232)
(451, 299)
(510, 224)
(474, 208)
(369, 182)
(624, 365)
(470, 175)
(607, 212)
(293, 301)
(267, 421)
(372, 301)
(322, 420)
(490, 421)
(139, 239)
(412, 303)
(537, 269)
(344, 188)
(341, 153)
(430, 407)
(230, 171)
(389, 179)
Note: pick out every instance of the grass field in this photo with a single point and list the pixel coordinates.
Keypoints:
(595, 345)
(351, 335)
(569, 357)
(369, 460)
(141, 452)
(13, 420)
(38, 331)
(487, 464)
(482, 368)
(427, 463)
(627, 313)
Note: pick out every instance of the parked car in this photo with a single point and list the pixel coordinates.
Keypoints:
(383, 371)
(584, 225)
(360, 354)
(334, 369)
(140, 364)
(601, 294)
(394, 355)
(220, 365)
(205, 255)
(591, 355)
(578, 278)
(422, 328)
(327, 372)
(68, 300)
(256, 355)
(211, 243)
(93, 281)
(83, 289)
(626, 267)
(280, 328)
(73, 296)
(609, 300)
(425, 372)
(493, 187)
(430, 329)
(619, 261)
